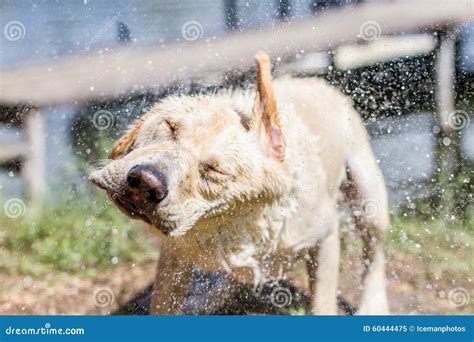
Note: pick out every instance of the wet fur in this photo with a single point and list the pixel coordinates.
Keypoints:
(275, 203)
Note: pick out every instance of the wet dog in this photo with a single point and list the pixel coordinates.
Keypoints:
(249, 182)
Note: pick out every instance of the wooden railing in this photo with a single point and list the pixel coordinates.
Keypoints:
(93, 77)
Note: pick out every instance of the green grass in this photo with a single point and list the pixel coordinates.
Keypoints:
(446, 249)
(83, 234)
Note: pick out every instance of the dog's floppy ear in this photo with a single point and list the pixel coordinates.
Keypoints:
(266, 120)
(125, 143)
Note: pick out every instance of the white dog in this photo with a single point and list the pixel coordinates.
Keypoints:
(248, 182)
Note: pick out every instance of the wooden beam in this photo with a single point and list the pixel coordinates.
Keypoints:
(95, 76)
(12, 151)
(382, 50)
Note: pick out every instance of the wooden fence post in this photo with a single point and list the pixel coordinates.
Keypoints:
(231, 14)
(33, 168)
(284, 9)
(448, 158)
(445, 77)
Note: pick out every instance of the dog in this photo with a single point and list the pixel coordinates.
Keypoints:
(249, 182)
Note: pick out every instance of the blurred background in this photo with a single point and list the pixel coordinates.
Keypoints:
(74, 74)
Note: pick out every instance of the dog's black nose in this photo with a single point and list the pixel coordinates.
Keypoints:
(147, 184)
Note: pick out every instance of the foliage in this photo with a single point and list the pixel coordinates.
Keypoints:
(445, 247)
(85, 233)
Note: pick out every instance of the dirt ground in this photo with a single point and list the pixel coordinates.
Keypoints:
(409, 291)
(59, 294)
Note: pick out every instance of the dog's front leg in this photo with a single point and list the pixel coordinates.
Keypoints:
(173, 278)
(323, 270)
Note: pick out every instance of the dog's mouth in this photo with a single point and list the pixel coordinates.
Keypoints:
(130, 208)
(146, 212)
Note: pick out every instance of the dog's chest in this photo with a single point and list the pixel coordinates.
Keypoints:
(252, 250)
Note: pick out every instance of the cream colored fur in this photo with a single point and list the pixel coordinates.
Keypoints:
(267, 215)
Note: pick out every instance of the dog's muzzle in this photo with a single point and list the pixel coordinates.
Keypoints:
(144, 189)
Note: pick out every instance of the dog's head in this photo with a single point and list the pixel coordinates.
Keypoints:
(195, 159)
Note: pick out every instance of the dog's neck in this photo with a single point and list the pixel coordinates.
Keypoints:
(246, 238)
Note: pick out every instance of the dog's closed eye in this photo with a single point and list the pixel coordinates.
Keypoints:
(212, 171)
(210, 168)
(172, 127)
(213, 179)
